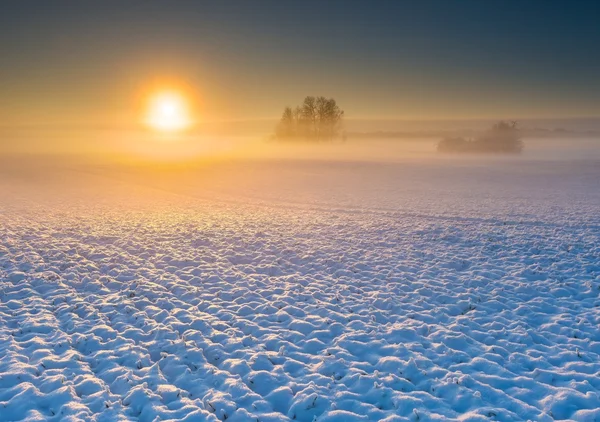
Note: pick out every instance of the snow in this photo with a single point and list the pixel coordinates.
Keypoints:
(301, 290)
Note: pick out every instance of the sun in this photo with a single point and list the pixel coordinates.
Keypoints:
(168, 111)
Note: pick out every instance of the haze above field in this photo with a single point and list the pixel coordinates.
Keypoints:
(75, 67)
(109, 78)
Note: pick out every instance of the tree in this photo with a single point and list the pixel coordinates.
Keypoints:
(285, 128)
(329, 118)
(317, 119)
(503, 137)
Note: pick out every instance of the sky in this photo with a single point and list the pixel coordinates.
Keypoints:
(91, 63)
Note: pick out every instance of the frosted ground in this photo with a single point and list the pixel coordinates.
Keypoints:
(301, 290)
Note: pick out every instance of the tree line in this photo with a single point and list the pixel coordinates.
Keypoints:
(321, 119)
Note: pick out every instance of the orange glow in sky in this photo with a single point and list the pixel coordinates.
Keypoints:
(168, 111)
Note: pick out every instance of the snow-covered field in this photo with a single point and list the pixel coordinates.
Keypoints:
(439, 289)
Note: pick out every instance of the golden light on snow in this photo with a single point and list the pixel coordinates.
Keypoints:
(168, 111)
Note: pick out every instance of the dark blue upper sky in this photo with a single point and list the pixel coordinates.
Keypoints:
(247, 59)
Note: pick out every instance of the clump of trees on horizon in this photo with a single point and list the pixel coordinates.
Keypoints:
(316, 119)
(502, 138)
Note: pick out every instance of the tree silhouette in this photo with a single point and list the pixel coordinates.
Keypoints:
(503, 137)
(286, 126)
(317, 119)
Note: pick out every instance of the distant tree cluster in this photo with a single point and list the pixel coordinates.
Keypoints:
(502, 138)
(317, 119)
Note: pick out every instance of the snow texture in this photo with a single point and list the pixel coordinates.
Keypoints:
(305, 291)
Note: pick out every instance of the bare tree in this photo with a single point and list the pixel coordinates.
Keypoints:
(285, 128)
(329, 117)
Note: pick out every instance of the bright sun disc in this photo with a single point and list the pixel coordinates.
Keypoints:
(169, 112)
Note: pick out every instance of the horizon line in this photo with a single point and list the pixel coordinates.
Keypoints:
(87, 126)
